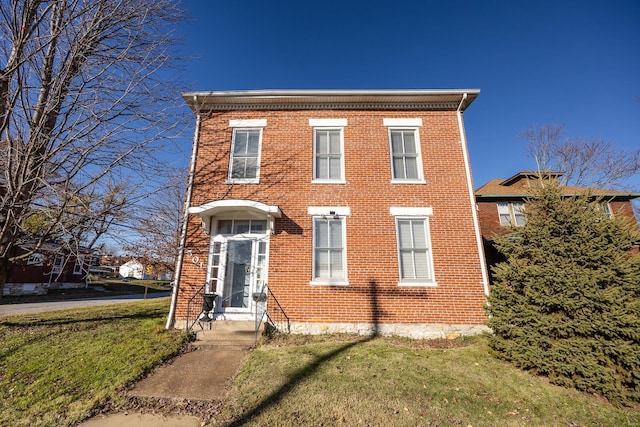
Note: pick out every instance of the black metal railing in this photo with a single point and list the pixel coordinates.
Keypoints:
(275, 315)
(196, 300)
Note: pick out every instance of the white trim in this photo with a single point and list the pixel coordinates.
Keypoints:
(472, 197)
(400, 211)
(321, 281)
(248, 123)
(340, 180)
(209, 210)
(329, 210)
(420, 179)
(328, 122)
(256, 180)
(430, 263)
(402, 122)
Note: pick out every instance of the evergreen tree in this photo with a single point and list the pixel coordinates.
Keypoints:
(566, 302)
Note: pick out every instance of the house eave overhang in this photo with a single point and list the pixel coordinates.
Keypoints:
(616, 197)
(209, 210)
(419, 99)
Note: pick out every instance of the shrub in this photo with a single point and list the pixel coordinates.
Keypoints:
(566, 302)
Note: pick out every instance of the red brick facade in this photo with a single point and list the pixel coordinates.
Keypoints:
(515, 189)
(373, 294)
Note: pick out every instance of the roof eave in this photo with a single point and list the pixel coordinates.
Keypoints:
(426, 99)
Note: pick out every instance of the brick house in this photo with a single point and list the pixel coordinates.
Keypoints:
(51, 266)
(501, 203)
(355, 207)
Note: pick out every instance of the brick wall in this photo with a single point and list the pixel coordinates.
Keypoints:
(373, 294)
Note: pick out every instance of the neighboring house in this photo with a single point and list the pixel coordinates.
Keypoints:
(133, 269)
(502, 203)
(356, 207)
(50, 267)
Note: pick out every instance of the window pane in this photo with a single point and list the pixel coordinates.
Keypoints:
(237, 168)
(336, 264)
(412, 167)
(334, 145)
(254, 142)
(335, 228)
(404, 234)
(224, 227)
(322, 233)
(406, 265)
(240, 143)
(410, 143)
(398, 167)
(322, 263)
(322, 168)
(258, 227)
(321, 142)
(241, 226)
(419, 234)
(334, 168)
(251, 168)
(421, 264)
(396, 142)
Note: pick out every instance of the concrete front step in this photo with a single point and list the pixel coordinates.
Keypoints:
(226, 334)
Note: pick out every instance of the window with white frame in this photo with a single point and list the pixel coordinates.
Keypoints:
(511, 213)
(36, 259)
(58, 263)
(329, 246)
(328, 150)
(415, 258)
(78, 266)
(244, 161)
(404, 140)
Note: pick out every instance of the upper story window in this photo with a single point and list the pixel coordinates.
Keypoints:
(511, 213)
(404, 140)
(58, 263)
(329, 245)
(78, 266)
(415, 258)
(36, 259)
(328, 150)
(244, 162)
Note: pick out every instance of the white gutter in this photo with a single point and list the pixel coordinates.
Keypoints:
(185, 220)
(472, 198)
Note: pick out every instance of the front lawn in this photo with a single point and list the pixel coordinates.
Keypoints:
(55, 368)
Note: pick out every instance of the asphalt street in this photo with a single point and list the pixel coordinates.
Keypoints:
(11, 309)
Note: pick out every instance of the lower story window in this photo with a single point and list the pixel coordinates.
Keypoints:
(329, 250)
(414, 251)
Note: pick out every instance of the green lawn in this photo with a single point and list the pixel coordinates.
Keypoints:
(57, 368)
(349, 381)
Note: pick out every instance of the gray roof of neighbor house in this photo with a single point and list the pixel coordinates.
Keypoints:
(418, 99)
(518, 186)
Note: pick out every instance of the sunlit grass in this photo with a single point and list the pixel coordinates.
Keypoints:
(56, 367)
(384, 382)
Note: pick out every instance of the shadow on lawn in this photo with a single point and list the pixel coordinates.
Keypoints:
(308, 370)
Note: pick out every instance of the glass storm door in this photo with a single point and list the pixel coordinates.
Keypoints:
(237, 281)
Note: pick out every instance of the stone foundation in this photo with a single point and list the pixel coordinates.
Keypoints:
(415, 331)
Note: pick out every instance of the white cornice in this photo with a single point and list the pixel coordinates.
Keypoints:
(330, 99)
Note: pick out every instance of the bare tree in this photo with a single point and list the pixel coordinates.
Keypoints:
(585, 162)
(157, 223)
(83, 110)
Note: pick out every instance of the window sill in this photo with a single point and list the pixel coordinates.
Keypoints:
(328, 181)
(242, 181)
(408, 181)
(418, 284)
(328, 283)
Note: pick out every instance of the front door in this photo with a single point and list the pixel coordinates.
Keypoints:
(237, 269)
(237, 289)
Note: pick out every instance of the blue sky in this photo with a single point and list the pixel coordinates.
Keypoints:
(575, 63)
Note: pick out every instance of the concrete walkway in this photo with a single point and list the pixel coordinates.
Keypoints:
(199, 375)
(39, 307)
